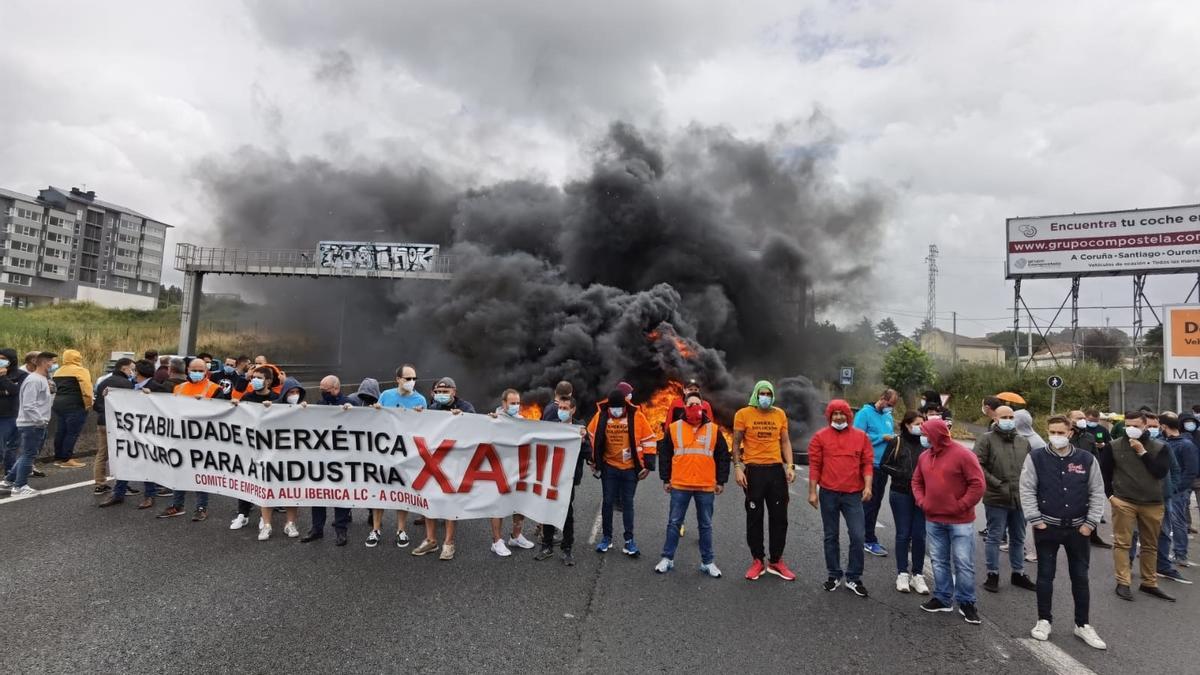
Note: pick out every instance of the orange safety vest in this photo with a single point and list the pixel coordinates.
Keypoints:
(206, 388)
(692, 463)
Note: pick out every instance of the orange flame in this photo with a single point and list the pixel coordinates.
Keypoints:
(531, 411)
(659, 404)
(682, 346)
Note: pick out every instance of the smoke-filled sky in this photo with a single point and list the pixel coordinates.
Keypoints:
(952, 115)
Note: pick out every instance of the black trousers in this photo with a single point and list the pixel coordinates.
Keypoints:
(568, 539)
(341, 519)
(1078, 550)
(766, 488)
(244, 507)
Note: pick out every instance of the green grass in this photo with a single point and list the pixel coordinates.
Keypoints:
(95, 331)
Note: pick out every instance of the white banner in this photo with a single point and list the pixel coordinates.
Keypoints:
(433, 463)
(1141, 241)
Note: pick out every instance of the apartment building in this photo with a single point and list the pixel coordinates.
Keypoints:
(68, 245)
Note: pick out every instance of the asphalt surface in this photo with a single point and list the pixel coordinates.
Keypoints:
(112, 590)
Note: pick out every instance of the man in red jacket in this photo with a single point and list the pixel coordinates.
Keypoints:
(947, 485)
(841, 461)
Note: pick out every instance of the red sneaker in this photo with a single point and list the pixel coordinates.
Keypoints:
(780, 569)
(757, 569)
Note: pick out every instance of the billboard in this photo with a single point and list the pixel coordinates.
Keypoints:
(1140, 241)
(1181, 344)
(369, 255)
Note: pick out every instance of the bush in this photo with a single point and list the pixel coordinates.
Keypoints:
(907, 369)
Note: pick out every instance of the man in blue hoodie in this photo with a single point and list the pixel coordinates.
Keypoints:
(1188, 456)
(876, 420)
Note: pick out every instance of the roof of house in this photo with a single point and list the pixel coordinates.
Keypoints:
(963, 341)
(17, 195)
(1056, 348)
(102, 204)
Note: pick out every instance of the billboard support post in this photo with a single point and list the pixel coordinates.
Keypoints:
(1075, 321)
(1017, 326)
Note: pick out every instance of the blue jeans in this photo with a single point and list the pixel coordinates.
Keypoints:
(910, 530)
(1179, 526)
(32, 439)
(952, 579)
(70, 425)
(122, 486)
(618, 484)
(9, 442)
(201, 499)
(871, 511)
(849, 506)
(1000, 520)
(704, 511)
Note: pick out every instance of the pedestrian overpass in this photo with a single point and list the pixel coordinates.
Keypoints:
(197, 261)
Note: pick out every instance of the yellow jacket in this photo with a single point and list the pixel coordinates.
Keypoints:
(72, 379)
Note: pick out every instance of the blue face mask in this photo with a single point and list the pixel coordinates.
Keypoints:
(765, 401)
(195, 376)
(441, 399)
(1006, 425)
(887, 410)
(1189, 426)
(257, 383)
(1154, 432)
(53, 367)
(3, 363)
(924, 441)
(1093, 425)
(616, 412)
(513, 410)
(563, 415)
(229, 370)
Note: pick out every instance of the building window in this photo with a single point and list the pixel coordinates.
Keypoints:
(87, 276)
(20, 279)
(100, 280)
(51, 269)
(19, 263)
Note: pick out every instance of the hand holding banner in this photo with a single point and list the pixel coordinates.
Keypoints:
(433, 463)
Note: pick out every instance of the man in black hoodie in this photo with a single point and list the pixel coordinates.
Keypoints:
(11, 377)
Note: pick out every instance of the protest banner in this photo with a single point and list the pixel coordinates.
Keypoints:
(433, 463)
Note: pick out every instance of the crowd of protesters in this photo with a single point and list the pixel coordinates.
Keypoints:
(1141, 467)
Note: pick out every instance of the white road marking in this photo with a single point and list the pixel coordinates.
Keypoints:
(596, 529)
(1054, 657)
(49, 491)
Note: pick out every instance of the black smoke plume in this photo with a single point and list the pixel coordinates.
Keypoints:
(699, 255)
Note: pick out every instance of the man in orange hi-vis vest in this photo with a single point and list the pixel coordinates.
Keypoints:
(693, 462)
(198, 386)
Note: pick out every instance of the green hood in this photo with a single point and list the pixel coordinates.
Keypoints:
(760, 385)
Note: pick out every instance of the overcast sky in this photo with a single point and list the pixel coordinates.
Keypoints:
(965, 112)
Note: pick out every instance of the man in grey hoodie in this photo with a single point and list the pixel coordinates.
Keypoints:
(33, 416)
(367, 394)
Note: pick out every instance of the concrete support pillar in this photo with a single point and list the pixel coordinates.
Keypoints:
(189, 314)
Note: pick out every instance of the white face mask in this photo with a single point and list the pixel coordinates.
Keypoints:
(293, 398)
(1080, 424)
(915, 430)
(840, 426)
(1059, 442)
(407, 385)
(1133, 433)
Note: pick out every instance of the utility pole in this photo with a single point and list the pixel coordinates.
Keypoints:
(931, 301)
(954, 329)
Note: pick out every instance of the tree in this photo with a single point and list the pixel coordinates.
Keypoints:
(889, 335)
(1152, 344)
(1103, 345)
(864, 333)
(170, 296)
(907, 369)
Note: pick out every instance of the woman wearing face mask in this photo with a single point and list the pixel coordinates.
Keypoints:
(292, 394)
(510, 408)
(258, 390)
(899, 463)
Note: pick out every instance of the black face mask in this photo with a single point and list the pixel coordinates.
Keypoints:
(328, 397)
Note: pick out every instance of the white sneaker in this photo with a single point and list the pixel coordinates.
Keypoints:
(711, 570)
(917, 582)
(264, 533)
(902, 582)
(291, 530)
(239, 521)
(520, 542)
(1041, 631)
(261, 524)
(5, 485)
(25, 491)
(500, 549)
(665, 565)
(1088, 635)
